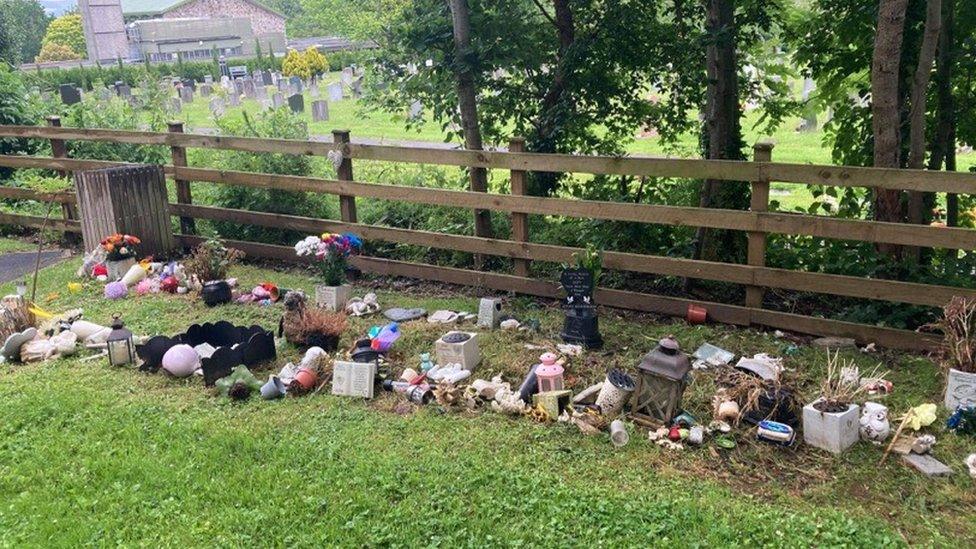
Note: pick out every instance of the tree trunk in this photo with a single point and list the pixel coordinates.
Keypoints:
(944, 141)
(886, 119)
(554, 107)
(920, 85)
(722, 131)
(467, 103)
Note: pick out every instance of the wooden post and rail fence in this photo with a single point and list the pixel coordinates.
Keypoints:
(758, 222)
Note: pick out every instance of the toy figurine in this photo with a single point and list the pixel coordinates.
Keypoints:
(425, 362)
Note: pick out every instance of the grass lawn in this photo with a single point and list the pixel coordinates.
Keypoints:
(791, 146)
(92, 455)
(8, 244)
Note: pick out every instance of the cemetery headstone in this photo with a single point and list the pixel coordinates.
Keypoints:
(297, 103)
(217, 106)
(347, 76)
(320, 110)
(249, 88)
(416, 109)
(123, 90)
(335, 91)
(296, 84)
(186, 94)
(234, 100)
(70, 94)
(277, 100)
(267, 78)
(206, 90)
(313, 90)
(261, 93)
(357, 87)
(190, 83)
(239, 87)
(207, 79)
(175, 105)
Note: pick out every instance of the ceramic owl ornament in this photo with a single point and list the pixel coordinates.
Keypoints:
(875, 426)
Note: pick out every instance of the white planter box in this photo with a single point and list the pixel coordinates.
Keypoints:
(960, 389)
(832, 432)
(466, 353)
(332, 298)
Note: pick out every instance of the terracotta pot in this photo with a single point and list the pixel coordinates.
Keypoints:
(697, 314)
(307, 379)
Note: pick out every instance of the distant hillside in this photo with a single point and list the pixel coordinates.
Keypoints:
(57, 7)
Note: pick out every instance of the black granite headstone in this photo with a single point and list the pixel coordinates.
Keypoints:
(581, 325)
(296, 103)
(69, 94)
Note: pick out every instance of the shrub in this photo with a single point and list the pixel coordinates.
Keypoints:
(276, 123)
(15, 109)
(304, 64)
(56, 52)
(113, 114)
(211, 260)
(68, 32)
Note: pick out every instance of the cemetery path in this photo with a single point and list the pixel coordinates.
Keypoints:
(14, 265)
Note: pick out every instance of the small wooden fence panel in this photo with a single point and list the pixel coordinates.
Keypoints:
(758, 222)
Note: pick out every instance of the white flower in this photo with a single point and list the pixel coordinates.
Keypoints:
(308, 246)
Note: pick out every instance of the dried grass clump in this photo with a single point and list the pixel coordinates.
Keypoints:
(958, 327)
(747, 390)
(315, 320)
(837, 391)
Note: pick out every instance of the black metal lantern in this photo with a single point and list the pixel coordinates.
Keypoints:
(121, 349)
(661, 380)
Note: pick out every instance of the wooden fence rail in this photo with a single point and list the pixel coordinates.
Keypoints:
(758, 222)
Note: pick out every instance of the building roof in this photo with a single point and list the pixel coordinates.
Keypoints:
(149, 8)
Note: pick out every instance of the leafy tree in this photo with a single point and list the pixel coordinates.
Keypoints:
(294, 64)
(22, 26)
(67, 31)
(56, 52)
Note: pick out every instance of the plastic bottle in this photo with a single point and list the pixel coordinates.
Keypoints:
(387, 336)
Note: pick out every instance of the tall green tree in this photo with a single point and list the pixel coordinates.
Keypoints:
(66, 32)
(22, 27)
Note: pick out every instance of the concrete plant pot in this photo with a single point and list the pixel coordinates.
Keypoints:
(332, 298)
(834, 432)
(960, 389)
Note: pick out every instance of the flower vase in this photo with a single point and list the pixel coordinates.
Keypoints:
(117, 269)
(332, 298)
(960, 389)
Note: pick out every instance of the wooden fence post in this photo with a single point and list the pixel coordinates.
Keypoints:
(520, 221)
(183, 195)
(347, 203)
(59, 149)
(761, 152)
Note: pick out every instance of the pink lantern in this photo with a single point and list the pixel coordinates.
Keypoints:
(549, 374)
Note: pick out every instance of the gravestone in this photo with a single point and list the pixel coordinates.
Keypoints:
(123, 90)
(249, 88)
(70, 94)
(239, 87)
(416, 109)
(297, 103)
(190, 83)
(581, 325)
(216, 106)
(335, 92)
(261, 93)
(347, 76)
(320, 110)
(267, 78)
(206, 90)
(277, 100)
(207, 79)
(357, 87)
(313, 90)
(175, 105)
(296, 84)
(234, 100)
(258, 75)
(186, 94)
(283, 85)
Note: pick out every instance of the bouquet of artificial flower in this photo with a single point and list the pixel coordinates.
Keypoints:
(331, 254)
(120, 246)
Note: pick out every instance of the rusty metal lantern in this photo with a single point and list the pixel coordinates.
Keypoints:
(661, 379)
